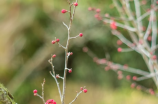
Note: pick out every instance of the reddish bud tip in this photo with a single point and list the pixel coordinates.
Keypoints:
(119, 49)
(53, 41)
(71, 53)
(35, 94)
(85, 90)
(133, 85)
(128, 77)
(81, 34)
(50, 101)
(34, 91)
(57, 40)
(75, 4)
(63, 11)
(85, 49)
(54, 56)
(154, 57)
(106, 15)
(125, 66)
(138, 87)
(90, 8)
(81, 88)
(57, 76)
(70, 70)
(119, 42)
(113, 25)
(107, 68)
(98, 10)
(134, 78)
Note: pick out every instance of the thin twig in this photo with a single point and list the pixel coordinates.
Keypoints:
(43, 91)
(76, 97)
(57, 85)
(74, 37)
(61, 45)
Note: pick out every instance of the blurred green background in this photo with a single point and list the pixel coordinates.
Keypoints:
(27, 28)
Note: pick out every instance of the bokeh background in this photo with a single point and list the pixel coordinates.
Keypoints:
(27, 28)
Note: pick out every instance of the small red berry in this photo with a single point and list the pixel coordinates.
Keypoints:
(134, 78)
(57, 76)
(119, 49)
(81, 88)
(119, 42)
(151, 91)
(35, 91)
(53, 41)
(106, 15)
(75, 4)
(70, 70)
(81, 34)
(138, 87)
(125, 66)
(128, 77)
(149, 38)
(85, 90)
(63, 11)
(107, 68)
(113, 25)
(35, 94)
(119, 72)
(154, 57)
(71, 53)
(57, 40)
(140, 41)
(98, 10)
(133, 85)
(85, 49)
(54, 56)
(50, 101)
(120, 77)
(90, 8)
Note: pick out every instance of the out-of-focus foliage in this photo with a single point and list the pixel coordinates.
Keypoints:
(26, 30)
(5, 96)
